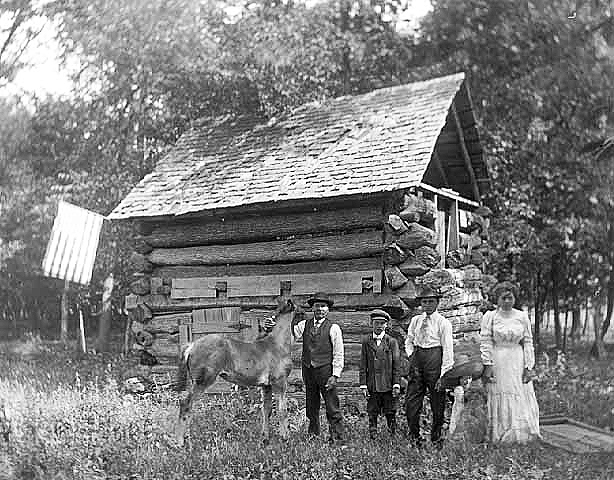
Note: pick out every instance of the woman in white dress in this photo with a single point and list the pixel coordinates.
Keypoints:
(506, 346)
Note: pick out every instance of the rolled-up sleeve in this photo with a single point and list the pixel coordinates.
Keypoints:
(527, 344)
(336, 339)
(409, 338)
(447, 344)
(486, 340)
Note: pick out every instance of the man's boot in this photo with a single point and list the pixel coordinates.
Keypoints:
(372, 426)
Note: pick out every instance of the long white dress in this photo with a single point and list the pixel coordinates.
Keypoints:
(506, 343)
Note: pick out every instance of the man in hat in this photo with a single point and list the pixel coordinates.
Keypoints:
(429, 347)
(379, 372)
(322, 363)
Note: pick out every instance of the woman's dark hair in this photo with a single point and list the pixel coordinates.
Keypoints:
(501, 288)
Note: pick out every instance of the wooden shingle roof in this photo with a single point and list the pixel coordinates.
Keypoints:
(376, 142)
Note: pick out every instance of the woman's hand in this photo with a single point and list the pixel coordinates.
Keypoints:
(488, 375)
(527, 375)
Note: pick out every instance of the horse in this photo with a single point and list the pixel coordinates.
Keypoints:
(265, 362)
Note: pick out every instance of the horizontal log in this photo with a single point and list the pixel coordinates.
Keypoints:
(140, 286)
(168, 323)
(139, 263)
(163, 303)
(258, 285)
(243, 229)
(236, 270)
(355, 323)
(141, 245)
(352, 245)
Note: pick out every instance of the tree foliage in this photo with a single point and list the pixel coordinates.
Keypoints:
(541, 77)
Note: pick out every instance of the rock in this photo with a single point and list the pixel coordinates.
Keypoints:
(427, 255)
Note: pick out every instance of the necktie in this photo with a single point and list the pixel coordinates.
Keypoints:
(422, 334)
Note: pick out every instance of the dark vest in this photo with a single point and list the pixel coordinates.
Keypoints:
(317, 346)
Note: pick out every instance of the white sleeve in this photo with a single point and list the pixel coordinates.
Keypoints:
(409, 338)
(336, 339)
(447, 343)
(487, 342)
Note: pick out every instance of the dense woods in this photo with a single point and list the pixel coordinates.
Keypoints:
(542, 84)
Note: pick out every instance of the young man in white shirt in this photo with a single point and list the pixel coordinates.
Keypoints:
(429, 346)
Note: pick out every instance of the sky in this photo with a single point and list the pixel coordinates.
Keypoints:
(46, 75)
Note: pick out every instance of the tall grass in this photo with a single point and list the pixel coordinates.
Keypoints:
(68, 417)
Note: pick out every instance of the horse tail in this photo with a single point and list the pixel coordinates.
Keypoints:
(181, 378)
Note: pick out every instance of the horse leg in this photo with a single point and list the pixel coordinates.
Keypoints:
(198, 385)
(282, 407)
(267, 407)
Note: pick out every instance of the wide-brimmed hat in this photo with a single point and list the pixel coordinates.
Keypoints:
(379, 314)
(320, 297)
(428, 292)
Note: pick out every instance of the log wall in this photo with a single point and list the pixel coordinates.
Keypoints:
(225, 275)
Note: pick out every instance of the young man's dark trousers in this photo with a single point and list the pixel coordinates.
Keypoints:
(314, 379)
(381, 402)
(425, 372)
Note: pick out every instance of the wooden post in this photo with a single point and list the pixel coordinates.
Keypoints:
(82, 330)
(64, 312)
(104, 320)
(453, 234)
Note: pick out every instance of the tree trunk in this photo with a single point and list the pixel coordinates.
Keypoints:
(586, 319)
(554, 272)
(574, 334)
(65, 312)
(565, 330)
(104, 320)
(598, 348)
(610, 298)
(539, 308)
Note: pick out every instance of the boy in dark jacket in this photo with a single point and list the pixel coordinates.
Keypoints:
(379, 372)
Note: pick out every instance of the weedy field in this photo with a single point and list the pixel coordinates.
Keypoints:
(65, 416)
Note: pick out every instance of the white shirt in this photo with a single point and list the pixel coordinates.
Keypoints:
(438, 334)
(336, 339)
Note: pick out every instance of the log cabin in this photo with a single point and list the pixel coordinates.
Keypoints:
(364, 197)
